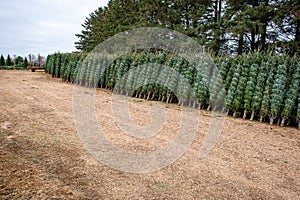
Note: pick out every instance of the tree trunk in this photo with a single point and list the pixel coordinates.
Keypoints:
(227, 113)
(299, 125)
(282, 122)
(278, 122)
(272, 121)
(245, 114)
(223, 109)
(199, 105)
(149, 94)
(234, 114)
(153, 96)
(261, 119)
(215, 108)
(194, 105)
(171, 100)
(208, 108)
(241, 43)
(252, 115)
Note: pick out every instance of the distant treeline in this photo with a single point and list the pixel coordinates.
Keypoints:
(255, 86)
(17, 63)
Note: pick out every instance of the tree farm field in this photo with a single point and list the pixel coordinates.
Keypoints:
(42, 156)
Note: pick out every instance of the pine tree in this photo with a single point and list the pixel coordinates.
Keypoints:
(2, 60)
(291, 99)
(259, 89)
(265, 102)
(8, 61)
(25, 63)
(250, 89)
(239, 97)
(231, 93)
(278, 92)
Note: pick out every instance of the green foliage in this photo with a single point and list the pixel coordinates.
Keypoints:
(2, 60)
(258, 91)
(9, 64)
(19, 60)
(232, 91)
(240, 90)
(278, 92)
(9, 61)
(265, 85)
(265, 102)
(250, 88)
(292, 94)
(222, 26)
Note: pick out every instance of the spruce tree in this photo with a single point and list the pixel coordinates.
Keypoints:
(25, 63)
(240, 90)
(265, 102)
(278, 92)
(8, 61)
(292, 94)
(231, 93)
(250, 88)
(259, 89)
(2, 60)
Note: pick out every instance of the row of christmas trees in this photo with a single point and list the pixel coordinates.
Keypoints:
(256, 86)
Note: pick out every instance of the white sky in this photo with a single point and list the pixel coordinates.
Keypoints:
(42, 26)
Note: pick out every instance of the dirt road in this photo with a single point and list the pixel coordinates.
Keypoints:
(42, 157)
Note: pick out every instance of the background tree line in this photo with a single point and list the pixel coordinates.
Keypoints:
(18, 62)
(225, 27)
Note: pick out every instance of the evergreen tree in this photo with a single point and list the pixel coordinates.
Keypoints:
(278, 92)
(8, 61)
(232, 91)
(2, 60)
(242, 83)
(25, 63)
(291, 99)
(259, 89)
(250, 88)
(265, 102)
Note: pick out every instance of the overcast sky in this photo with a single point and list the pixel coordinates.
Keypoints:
(42, 26)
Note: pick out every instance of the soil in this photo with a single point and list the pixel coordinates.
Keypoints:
(42, 156)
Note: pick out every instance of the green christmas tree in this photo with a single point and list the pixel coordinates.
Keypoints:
(25, 63)
(250, 89)
(231, 93)
(292, 95)
(259, 89)
(278, 93)
(2, 60)
(265, 103)
(239, 97)
(8, 61)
